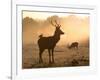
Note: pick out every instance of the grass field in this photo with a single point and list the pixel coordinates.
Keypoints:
(63, 57)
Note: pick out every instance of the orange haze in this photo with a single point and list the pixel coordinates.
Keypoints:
(75, 26)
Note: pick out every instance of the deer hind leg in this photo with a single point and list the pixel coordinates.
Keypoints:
(40, 55)
(49, 55)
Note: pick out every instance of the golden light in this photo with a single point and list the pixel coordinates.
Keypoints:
(76, 27)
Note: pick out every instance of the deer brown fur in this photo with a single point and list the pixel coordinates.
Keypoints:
(49, 43)
(73, 45)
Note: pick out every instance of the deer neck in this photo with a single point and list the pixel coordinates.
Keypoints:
(56, 37)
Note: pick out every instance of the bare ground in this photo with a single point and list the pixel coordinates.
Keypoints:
(63, 56)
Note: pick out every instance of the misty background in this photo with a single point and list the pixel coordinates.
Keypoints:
(76, 28)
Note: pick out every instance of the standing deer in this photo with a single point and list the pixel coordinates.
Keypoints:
(49, 42)
(73, 45)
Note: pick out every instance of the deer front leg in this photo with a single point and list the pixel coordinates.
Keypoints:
(49, 55)
(53, 56)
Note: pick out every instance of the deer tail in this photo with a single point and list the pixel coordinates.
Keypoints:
(40, 36)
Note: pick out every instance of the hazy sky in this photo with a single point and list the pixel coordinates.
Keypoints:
(75, 26)
(45, 15)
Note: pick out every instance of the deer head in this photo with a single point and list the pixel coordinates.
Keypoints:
(58, 30)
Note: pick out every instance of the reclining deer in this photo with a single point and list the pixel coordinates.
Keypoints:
(49, 42)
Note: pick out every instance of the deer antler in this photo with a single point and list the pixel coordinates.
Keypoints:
(52, 23)
(56, 22)
(58, 25)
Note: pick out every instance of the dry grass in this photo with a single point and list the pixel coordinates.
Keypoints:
(64, 57)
